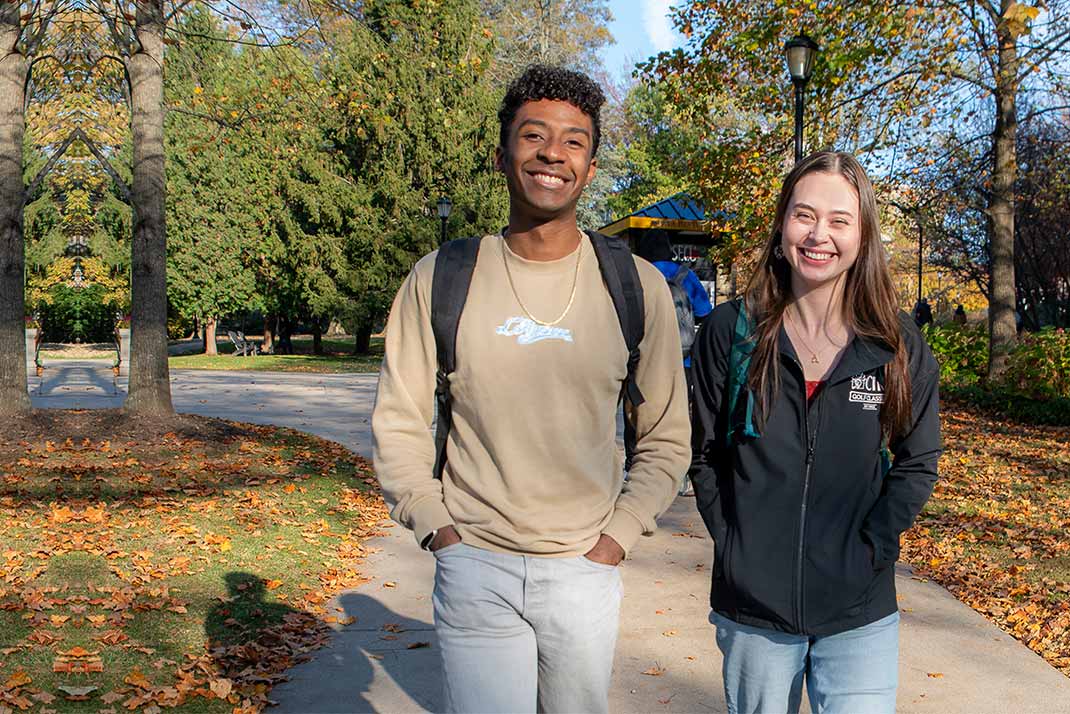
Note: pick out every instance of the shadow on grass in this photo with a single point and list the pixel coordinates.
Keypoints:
(253, 640)
(69, 456)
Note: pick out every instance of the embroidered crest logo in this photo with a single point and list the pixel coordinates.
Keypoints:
(527, 331)
(867, 390)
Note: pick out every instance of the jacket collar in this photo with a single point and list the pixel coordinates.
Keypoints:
(862, 355)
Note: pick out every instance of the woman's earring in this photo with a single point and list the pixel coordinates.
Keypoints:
(778, 252)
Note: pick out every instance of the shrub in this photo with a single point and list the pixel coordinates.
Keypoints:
(77, 315)
(178, 327)
(1003, 402)
(1035, 388)
(961, 351)
(1039, 366)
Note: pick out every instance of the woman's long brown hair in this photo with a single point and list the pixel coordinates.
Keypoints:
(870, 304)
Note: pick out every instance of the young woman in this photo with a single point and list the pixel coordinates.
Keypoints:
(816, 439)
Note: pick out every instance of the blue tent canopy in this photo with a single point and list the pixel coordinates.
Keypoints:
(679, 212)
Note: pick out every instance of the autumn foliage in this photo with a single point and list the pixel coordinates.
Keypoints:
(185, 571)
(995, 531)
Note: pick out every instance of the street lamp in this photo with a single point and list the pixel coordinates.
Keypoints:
(799, 52)
(445, 205)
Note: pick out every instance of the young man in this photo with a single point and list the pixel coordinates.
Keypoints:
(530, 517)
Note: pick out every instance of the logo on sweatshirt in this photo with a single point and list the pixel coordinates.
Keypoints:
(528, 332)
(866, 390)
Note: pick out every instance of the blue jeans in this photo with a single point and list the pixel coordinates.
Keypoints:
(853, 672)
(520, 634)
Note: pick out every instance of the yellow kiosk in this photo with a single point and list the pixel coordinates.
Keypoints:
(684, 219)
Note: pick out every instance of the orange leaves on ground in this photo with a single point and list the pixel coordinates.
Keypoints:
(78, 661)
(158, 516)
(137, 679)
(654, 670)
(221, 688)
(994, 532)
(18, 679)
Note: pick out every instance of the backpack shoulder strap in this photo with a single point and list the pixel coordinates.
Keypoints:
(454, 265)
(740, 419)
(886, 452)
(622, 281)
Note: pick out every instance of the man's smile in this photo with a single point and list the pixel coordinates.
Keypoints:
(548, 180)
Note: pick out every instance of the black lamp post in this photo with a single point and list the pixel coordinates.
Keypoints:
(799, 52)
(921, 244)
(445, 205)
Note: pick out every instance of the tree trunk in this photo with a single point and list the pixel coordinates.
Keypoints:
(269, 333)
(317, 337)
(150, 386)
(363, 342)
(1001, 300)
(335, 329)
(14, 397)
(209, 336)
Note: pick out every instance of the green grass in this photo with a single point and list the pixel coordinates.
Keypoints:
(181, 550)
(338, 358)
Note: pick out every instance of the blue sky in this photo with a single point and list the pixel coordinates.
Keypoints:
(641, 28)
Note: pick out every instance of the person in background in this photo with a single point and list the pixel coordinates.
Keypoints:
(959, 318)
(923, 314)
(692, 305)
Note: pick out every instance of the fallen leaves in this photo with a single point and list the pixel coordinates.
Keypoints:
(135, 532)
(78, 660)
(994, 532)
(654, 670)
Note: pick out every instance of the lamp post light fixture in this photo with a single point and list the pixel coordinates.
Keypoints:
(444, 205)
(799, 52)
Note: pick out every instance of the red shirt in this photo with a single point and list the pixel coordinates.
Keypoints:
(811, 389)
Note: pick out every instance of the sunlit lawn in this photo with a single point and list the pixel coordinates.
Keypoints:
(177, 570)
(995, 532)
(338, 357)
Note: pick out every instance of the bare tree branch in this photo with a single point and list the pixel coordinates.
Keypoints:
(105, 164)
(48, 166)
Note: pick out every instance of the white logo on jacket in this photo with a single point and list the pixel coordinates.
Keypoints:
(866, 390)
(527, 331)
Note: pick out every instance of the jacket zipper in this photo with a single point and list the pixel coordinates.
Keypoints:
(811, 439)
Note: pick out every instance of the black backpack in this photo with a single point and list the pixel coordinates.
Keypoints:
(685, 314)
(454, 265)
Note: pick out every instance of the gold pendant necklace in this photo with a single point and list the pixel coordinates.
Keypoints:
(571, 297)
(798, 333)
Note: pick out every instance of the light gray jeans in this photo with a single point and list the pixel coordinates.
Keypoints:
(522, 634)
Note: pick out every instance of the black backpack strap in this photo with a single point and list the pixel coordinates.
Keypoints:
(622, 281)
(454, 265)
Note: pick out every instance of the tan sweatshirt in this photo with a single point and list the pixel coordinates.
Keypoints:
(533, 466)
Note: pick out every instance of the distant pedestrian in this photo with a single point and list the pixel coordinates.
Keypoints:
(923, 314)
(817, 435)
(692, 304)
(959, 318)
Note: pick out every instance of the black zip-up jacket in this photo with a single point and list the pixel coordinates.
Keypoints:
(792, 512)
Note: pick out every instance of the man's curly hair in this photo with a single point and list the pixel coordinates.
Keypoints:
(541, 81)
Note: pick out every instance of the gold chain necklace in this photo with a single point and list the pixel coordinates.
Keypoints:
(571, 297)
(798, 333)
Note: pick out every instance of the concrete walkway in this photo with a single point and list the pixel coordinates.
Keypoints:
(952, 661)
